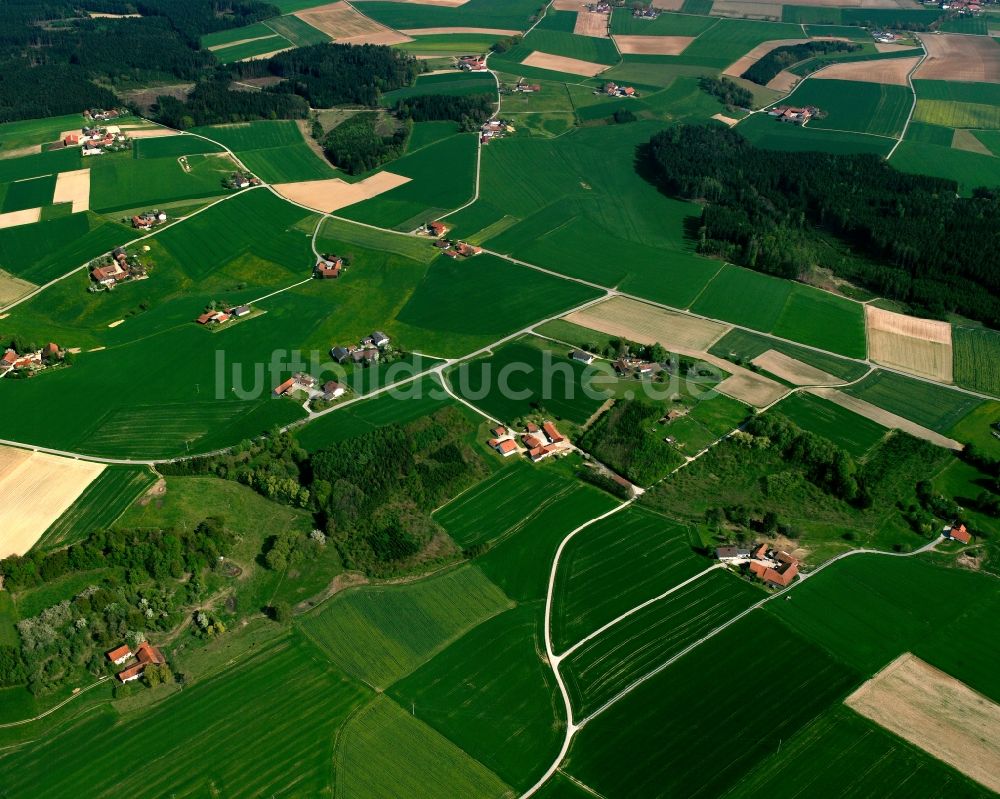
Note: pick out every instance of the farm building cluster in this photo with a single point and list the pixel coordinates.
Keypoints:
(370, 349)
(773, 567)
(884, 37)
(494, 129)
(612, 89)
(145, 655)
(149, 219)
(523, 87)
(537, 443)
(97, 140)
(966, 8)
(453, 249)
(601, 7)
(646, 12)
(472, 63)
(103, 114)
(27, 363)
(242, 180)
(118, 267)
(328, 267)
(792, 114)
(214, 317)
(301, 381)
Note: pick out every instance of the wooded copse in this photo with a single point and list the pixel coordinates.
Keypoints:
(769, 210)
(469, 110)
(358, 144)
(785, 56)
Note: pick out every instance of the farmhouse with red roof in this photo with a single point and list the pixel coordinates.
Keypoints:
(958, 532)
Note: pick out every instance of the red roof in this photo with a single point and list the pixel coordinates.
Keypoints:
(552, 433)
(761, 551)
(10, 356)
(205, 318)
(531, 442)
(147, 653)
(492, 442)
(531, 427)
(119, 652)
(961, 534)
(507, 445)
(132, 671)
(436, 227)
(284, 386)
(758, 568)
(499, 430)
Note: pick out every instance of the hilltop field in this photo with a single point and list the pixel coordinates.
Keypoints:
(451, 415)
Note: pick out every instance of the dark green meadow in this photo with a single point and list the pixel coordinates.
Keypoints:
(614, 565)
(273, 150)
(122, 182)
(636, 748)
(770, 134)
(199, 729)
(609, 663)
(742, 345)
(513, 15)
(491, 694)
(875, 108)
(925, 403)
(854, 433)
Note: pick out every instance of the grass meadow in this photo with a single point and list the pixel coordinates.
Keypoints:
(563, 43)
(122, 182)
(614, 565)
(47, 163)
(173, 147)
(491, 694)
(841, 753)
(786, 309)
(875, 108)
(99, 506)
(613, 660)
(524, 377)
(274, 150)
(928, 404)
(256, 30)
(970, 170)
(731, 39)
(770, 134)
(977, 358)
(31, 193)
(666, 24)
(888, 606)
(211, 736)
(27, 132)
(744, 345)
(378, 634)
(512, 14)
(368, 765)
(854, 433)
(636, 749)
(453, 83)
(257, 47)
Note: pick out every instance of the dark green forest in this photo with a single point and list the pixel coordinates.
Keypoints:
(773, 211)
(783, 57)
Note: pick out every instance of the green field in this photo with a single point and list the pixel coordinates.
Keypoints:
(930, 134)
(247, 751)
(887, 606)
(730, 39)
(120, 182)
(378, 634)
(33, 166)
(786, 309)
(255, 31)
(958, 91)
(977, 358)
(274, 151)
(854, 433)
(99, 506)
(431, 190)
(299, 33)
(970, 170)
(957, 115)
(608, 663)
(28, 132)
(666, 24)
(875, 108)
(31, 193)
(925, 403)
(745, 346)
(843, 754)
(450, 44)
(257, 47)
(491, 694)
(452, 299)
(770, 134)
(568, 44)
(511, 14)
(173, 147)
(637, 748)
(453, 83)
(614, 565)
(49, 249)
(367, 761)
(526, 377)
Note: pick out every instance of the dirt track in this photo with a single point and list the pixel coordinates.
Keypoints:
(937, 713)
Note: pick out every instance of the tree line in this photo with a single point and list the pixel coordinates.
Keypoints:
(469, 110)
(915, 238)
(780, 58)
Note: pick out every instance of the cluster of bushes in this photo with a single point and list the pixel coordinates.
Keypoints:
(469, 110)
(359, 145)
(726, 91)
(505, 44)
(141, 554)
(782, 57)
(621, 438)
(763, 207)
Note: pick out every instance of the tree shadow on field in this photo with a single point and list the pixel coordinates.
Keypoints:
(646, 168)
